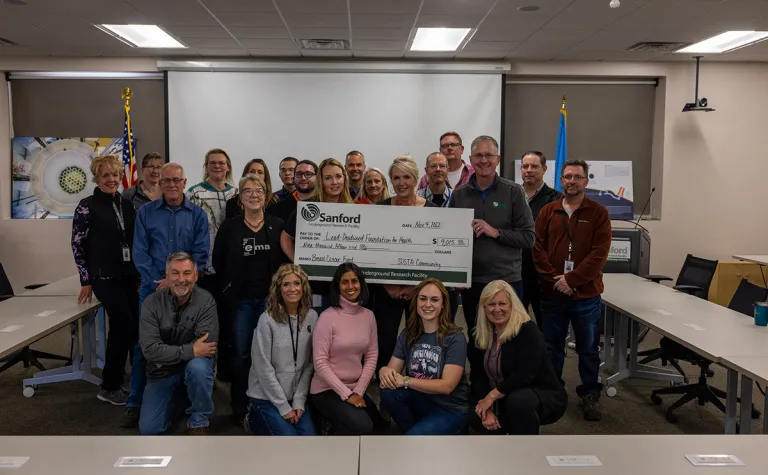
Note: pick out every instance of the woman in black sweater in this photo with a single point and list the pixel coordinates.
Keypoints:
(517, 390)
(246, 254)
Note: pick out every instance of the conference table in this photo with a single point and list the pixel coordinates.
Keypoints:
(757, 259)
(710, 330)
(571, 454)
(182, 455)
(24, 321)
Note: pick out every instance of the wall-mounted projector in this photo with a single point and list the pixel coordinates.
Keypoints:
(698, 105)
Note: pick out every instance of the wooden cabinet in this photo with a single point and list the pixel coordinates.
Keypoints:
(729, 274)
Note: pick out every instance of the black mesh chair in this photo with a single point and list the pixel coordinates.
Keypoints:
(27, 356)
(743, 301)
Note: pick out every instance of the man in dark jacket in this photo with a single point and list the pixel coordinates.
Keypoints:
(538, 195)
(178, 334)
(573, 238)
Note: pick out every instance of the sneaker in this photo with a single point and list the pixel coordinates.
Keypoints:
(198, 431)
(116, 397)
(130, 418)
(591, 407)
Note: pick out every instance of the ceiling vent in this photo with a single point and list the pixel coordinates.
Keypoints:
(325, 44)
(7, 42)
(658, 46)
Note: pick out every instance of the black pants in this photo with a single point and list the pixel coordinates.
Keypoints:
(120, 298)
(470, 299)
(345, 418)
(517, 412)
(224, 310)
(532, 297)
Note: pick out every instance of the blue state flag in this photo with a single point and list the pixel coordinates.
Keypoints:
(561, 152)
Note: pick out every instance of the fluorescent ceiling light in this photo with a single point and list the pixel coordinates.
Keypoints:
(142, 36)
(439, 39)
(725, 42)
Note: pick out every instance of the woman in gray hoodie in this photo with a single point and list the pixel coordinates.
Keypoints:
(281, 355)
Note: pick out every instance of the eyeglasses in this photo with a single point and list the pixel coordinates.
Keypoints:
(153, 167)
(306, 175)
(175, 181)
(573, 177)
(450, 145)
(487, 156)
(253, 192)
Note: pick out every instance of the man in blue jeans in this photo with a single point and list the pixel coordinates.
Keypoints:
(164, 226)
(573, 238)
(178, 333)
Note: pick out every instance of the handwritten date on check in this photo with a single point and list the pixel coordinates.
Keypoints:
(392, 244)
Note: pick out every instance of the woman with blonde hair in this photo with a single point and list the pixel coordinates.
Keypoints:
(375, 187)
(424, 388)
(281, 355)
(102, 244)
(258, 167)
(517, 389)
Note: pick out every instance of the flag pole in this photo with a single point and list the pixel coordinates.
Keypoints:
(127, 94)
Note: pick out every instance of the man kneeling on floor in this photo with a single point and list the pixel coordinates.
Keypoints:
(178, 333)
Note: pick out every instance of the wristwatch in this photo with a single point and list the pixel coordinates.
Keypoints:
(406, 380)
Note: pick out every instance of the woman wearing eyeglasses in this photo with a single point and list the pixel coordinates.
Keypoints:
(257, 167)
(375, 187)
(245, 255)
(148, 188)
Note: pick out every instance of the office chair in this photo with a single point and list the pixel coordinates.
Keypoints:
(743, 301)
(694, 279)
(27, 356)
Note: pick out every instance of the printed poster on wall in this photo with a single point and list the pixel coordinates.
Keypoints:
(50, 175)
(610, 184)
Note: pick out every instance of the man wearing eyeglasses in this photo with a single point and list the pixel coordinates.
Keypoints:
(458, 172)
(305, 179)
(573, 238)
(438, 191)
(503, 225)
(287, 169)
(165, 226)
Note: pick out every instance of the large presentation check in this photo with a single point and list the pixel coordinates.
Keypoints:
(392, 244)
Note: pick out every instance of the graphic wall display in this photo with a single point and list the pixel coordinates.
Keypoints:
(50, 175)
(610, 184)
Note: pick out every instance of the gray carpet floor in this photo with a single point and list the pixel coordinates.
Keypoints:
(71, 408)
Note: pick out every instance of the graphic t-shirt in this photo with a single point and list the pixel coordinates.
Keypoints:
(256, 255)
(426, 360)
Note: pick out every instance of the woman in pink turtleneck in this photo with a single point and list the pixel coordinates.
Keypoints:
(345, 349)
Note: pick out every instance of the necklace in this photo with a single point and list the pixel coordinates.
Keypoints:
(254, 226)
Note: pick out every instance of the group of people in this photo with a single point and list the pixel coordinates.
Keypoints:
(201, 285)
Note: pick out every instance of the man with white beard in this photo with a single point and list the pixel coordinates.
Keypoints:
(178, 333)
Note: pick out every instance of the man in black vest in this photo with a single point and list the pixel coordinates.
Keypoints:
(538, 195)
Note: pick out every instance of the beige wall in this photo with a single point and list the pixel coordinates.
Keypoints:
(713, 166)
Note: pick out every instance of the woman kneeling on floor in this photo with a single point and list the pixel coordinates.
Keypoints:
(431, 398)
(517, 388)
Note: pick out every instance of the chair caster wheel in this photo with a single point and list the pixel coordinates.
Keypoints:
(610, 391)
(656, 400)
(671, 418)
(29, 391)
(710, 373)
(755, 413)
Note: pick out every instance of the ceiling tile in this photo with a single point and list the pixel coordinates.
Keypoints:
(197, 31)
(506, 46)
(481, 54)
(525, 21)
(326, 53)
(591, 14)
(218, 43)
(321, 33)
(608, 56)
(221, 6)
(378, 54)
(501, 34)
(317, 20)
(231, 52)
(174, 13)
(575, 36)
(104, 11)
(430, 54)
(457, 7)
(546, 7)
(380, 33)
(378, 45)
(233, 19)
(394, 7)
(382, 21)
(286, 53)
(660, 14)
(312, 6)
(242, 32)
(734, 10)
(448, 21)
(266, 44)
(611, 40)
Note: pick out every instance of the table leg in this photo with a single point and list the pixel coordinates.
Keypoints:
(765, 412)
(731, 391)
(745, 416)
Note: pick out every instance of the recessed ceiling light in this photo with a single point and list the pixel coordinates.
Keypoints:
(142, 36)
(529, 8)
(439, 39)
(725, 42)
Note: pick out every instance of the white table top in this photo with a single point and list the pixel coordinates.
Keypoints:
(757, 259)
(68, 286)
(526, 455)
(190, 455)
(35, 320)
(754, 368)
(667, 311)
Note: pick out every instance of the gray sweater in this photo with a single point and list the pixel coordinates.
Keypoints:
(273, 376)
(167, 333)
(504, 207)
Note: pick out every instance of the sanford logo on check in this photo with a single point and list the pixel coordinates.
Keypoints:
(312, 213)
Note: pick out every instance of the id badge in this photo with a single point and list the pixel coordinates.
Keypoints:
(568, 267)
(126, 254)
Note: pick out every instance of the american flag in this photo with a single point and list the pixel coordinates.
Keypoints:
(130, 177)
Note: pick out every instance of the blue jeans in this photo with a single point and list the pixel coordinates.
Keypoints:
(164, 398)
(263, 419)
(584, 315)
(244, 320)
(138, 363)
(416, 414)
